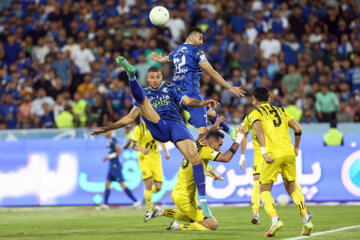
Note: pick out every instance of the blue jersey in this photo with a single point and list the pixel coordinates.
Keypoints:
(165, 100)
(114, 162)
(187, 59)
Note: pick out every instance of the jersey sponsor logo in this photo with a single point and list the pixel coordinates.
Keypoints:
(160, 101)
(178, 77)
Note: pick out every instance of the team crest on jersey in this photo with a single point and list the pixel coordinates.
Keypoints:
(165, 90)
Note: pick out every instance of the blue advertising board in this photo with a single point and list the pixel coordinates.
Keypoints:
(71, 172)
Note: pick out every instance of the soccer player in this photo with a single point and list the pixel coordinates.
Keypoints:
(158, 105)
(271, 126)
(149, 161)
(189, 60)
(184, 193)
(115, 173)
(257, 167)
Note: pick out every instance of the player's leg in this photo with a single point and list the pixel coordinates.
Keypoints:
(107, 192)
(255, 199)
(128, 192)
(156, 187)
(146, 110)
(157, 174)
(204, 225)
(148, 192)
(213, 116)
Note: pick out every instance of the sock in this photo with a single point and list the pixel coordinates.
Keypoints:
(154, 189)
(199, 178)
(255, 197)
(298, 188)
(136, 90)
(147, 198)
(269, 204)
(176, 214)
(299, 202)
(129, 194)
(106, 196)
(193, 227)
(224, 125)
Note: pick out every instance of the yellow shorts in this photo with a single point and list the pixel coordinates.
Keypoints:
(151, 168)
(285, 165)
(188, 205)
(258, 164)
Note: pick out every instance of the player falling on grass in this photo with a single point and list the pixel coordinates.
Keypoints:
(115, 173)
(184, 193)
(258, 164)
(271, 125)
(158, 105)
(149, 160)
(189, 60)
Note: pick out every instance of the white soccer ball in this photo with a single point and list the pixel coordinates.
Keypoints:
(283, 200)
(159, 16)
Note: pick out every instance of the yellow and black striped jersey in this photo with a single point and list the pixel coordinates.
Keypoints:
(274, 121)
(144, 139)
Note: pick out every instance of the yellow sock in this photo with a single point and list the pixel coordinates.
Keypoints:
(154, 189)
(255, 197)
(194, 227)
(176, 214)
(147, 197)
(269, 204)
(298, 188)
(299, 202)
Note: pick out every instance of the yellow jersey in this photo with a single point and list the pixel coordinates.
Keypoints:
(145, 140)
(185, 183)
(274, 122)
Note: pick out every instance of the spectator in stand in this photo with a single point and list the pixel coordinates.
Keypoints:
(97, 112)
(115, 99)
(353, 75)
(11, 50)
(141, 69)
(270, 46)
(297, 22)
(62, 68)
(80, 110)
(327, 104)
(277, 24)
(309, 116)
(47, 120)
(273, 67)
(291, 82)
(65, 119)
(87, 85)
(342, 115)
(9, 112)
(37, 110)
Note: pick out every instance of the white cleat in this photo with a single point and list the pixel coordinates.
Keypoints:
(102, 207)
(255, 219)
(155, 211)
(174, 225)
(136, 205)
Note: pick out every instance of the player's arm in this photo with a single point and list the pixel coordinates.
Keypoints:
(261, 139)
(167, 155)
(243, 149)
(157, 57)
(215, 127)
(117, 152)
(136, 147)
(192, 102)
(205, 65)
(127, 119)
(297, 132)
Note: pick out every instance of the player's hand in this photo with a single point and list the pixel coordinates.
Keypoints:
(217, 123)
(98, 131)
(167, 156)
(156, 56)
(242, 162)
(105, 159)
(241, 129)
(296, 150)
(145, 151)
(237, 91)
(268, 159)
(211, 103)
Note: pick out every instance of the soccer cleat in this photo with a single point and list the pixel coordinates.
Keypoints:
(174, 225)
(128, 68)
(274, 228)
(136, 205)
(233, 134)
(102, 207)
(255, 219)
(210, 171)
(307, 228)
(155, 211)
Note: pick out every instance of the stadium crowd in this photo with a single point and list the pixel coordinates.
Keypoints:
(58, 57)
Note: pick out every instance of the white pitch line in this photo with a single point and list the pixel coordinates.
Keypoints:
(325, 232)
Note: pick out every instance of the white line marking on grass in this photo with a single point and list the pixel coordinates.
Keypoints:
(324, 232)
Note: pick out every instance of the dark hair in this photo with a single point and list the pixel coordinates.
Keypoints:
(333, 124)
(154, 69)
(193, 30)
(261, 94)
(215, 135)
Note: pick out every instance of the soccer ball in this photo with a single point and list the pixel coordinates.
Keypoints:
(283, 200)
(159, 16)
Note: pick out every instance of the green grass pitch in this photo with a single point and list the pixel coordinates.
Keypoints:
(123, 223)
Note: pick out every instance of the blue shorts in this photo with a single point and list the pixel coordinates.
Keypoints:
(198, 115)
(168, 130)
(115, 175)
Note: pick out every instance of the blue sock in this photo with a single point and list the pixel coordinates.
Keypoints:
(224, 125)
(106, 196)
(136, 90)
(199, 178)
(129, 194)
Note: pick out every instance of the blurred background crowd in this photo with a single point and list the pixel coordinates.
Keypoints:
(57, 58)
